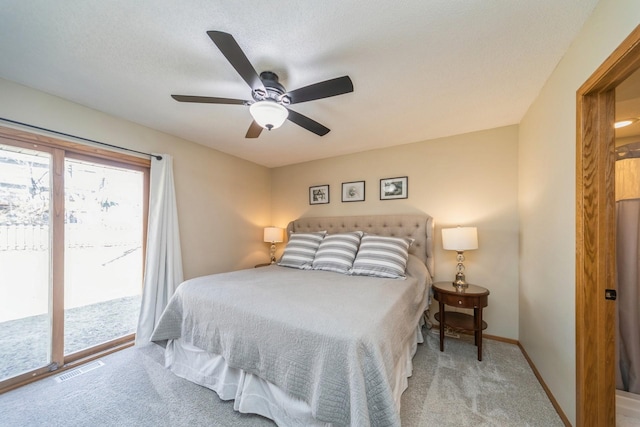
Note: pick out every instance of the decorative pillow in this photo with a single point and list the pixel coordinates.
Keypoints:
(337, 252)
(382, 256)
(301, 249)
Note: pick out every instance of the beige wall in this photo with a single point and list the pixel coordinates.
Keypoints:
(468, 179)
(223, 201)
(547, 201)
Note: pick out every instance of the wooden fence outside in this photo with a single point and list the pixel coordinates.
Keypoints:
(27, 237)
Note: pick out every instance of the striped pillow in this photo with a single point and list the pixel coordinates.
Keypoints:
(337, 252)
(301, 249)
(381, 256)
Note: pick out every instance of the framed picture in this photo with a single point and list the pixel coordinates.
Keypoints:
(318, 194)
(394, 188)
(353, 191)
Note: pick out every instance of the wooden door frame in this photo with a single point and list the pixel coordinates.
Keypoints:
(595, 235)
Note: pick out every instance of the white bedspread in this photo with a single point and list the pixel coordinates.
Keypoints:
(328, 339)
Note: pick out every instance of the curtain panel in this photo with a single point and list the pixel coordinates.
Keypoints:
(163, 264)
(628, 277)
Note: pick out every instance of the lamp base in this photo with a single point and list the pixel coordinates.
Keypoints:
(460, 281)
(272, 253)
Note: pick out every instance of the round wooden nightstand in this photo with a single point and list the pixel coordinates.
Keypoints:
(474, 296)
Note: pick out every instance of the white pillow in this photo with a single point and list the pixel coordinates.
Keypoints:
(301, 250)
(337, 252)
(382, 256)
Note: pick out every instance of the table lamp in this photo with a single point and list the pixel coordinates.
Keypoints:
(273, 235)
(460, 239)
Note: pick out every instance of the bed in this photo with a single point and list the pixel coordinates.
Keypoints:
(302, 346)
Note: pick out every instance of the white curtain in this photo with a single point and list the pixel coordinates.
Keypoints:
(163, 264)
(628, 274)
(628, 253)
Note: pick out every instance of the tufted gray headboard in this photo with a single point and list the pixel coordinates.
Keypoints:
(417, 226)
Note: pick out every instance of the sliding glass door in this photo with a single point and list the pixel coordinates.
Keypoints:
(25, 316)
(103, 253)
(72, 230)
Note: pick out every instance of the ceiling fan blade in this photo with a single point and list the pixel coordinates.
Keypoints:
(208, 99)
(307, 123)
(236, 57)
(254, 130)
(320, 90)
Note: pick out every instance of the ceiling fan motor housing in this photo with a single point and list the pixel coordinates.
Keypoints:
(275, 91)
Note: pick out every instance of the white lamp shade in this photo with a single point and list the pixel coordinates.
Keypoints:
(460, 238)
(273, 234)
(268, 114)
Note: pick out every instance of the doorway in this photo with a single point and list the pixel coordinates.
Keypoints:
(595, 235)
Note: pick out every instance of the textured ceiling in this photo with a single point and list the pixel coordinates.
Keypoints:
(421, 69)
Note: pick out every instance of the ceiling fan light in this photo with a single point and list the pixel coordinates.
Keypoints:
(268, 114)
(626, 122)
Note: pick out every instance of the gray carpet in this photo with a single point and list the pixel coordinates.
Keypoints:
(134, 389)
(453, 388)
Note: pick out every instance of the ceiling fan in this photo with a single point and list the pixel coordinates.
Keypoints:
(269, 107)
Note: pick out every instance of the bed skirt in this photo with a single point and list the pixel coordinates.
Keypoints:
(251, 394)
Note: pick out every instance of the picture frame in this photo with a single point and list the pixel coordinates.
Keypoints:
(319, 194)
(394, 188)
(353, 191)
